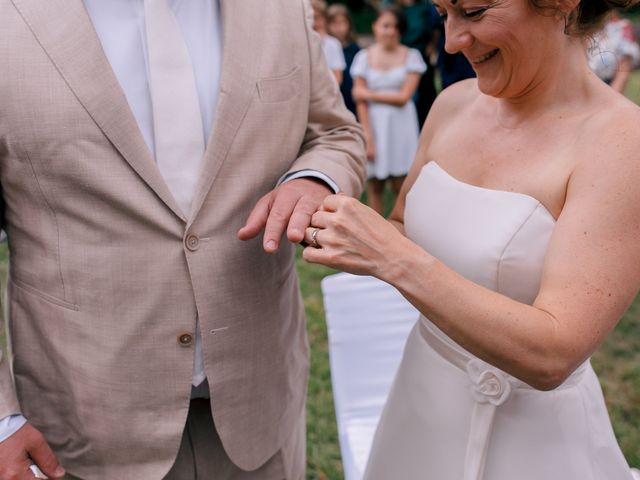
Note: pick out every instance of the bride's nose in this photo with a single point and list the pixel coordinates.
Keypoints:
(457, 35)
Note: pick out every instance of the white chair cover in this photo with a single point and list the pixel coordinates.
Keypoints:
(368, 322)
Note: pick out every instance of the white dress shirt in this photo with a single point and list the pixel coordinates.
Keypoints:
(120, 25)
(121, 29)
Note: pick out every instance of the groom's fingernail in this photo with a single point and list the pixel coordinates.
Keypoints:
(271, 245)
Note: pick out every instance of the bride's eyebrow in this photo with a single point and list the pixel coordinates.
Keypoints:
(452, 2)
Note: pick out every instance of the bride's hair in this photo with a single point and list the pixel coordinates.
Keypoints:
(588, 16)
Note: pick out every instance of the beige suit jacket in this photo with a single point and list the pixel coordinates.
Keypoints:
(106, 273)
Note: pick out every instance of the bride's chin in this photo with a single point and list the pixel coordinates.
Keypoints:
(489, 87)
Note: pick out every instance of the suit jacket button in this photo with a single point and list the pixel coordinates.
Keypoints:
(185, 339)
(192, 242)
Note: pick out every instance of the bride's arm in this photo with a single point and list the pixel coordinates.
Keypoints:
(590, 275)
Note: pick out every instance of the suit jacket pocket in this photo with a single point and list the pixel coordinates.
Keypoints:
(280, 89)
(44, 296)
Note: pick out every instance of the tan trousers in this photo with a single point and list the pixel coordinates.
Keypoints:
(201, 456)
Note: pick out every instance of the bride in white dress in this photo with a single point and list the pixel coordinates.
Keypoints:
(516, 236)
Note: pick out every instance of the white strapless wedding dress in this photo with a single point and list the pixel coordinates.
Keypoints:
(452, 416)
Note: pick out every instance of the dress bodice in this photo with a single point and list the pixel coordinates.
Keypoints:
(497, 239)
(451, 415)
(389, 80)
(386, 80)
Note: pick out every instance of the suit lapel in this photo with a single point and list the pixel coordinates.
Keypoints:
(240, 63)
(66, 33)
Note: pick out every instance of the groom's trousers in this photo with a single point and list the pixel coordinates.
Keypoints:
(202, 457)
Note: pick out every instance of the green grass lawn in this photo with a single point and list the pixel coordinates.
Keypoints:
(632, 89)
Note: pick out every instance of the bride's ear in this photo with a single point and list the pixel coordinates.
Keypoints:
(568, 10)
(568, 7)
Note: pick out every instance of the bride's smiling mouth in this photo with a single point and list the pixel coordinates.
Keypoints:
(485, 57)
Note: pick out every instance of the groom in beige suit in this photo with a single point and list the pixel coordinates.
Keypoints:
(143, 310)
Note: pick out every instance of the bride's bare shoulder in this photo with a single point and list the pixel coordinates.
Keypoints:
(450, 104)
(607, 146)
(457, 96)
(613, 133)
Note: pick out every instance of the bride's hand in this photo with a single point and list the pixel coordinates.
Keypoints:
(349, 236)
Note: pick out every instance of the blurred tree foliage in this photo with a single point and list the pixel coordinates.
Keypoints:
(363, 12)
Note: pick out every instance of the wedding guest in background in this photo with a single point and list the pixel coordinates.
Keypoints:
(386, 76)
(516, 237)
(330, 45)
(422, 33)
(340, 26)
(614, 52)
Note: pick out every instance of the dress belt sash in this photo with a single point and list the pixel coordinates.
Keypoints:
(489, 386)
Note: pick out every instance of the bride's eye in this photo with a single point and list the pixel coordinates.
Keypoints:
(474, 12)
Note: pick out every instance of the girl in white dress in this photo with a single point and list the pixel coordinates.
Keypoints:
(516, 237)
(385, 78)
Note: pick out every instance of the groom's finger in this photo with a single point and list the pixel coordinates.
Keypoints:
(257, 219)
(301, 218)
(278, 219)
(310, 193)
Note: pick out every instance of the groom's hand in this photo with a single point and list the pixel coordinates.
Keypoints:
(287, 207)
(24, 448)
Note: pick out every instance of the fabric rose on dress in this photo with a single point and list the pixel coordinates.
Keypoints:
(488, 384)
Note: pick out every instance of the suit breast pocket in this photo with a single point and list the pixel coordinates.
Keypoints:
(280, 89)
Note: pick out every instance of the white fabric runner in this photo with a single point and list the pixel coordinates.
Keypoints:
(368, 322)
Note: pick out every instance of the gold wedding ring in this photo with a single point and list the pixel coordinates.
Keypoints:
(314, 240)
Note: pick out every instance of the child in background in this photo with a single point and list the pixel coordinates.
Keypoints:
(386, 76)
(340, 26)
